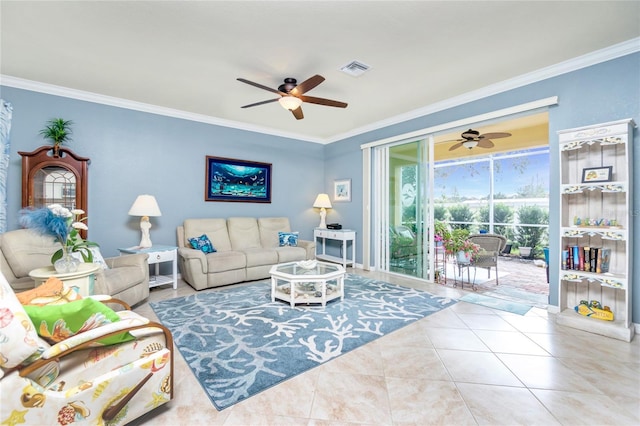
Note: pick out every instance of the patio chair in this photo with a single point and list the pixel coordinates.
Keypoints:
(490, 247)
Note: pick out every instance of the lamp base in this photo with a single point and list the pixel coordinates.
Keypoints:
(145, 225)
(323, 215)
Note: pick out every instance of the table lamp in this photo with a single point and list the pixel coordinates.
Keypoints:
(145, 206)
(322, 202)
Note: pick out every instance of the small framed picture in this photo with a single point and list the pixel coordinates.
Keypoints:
(342, 190)
(597, 174)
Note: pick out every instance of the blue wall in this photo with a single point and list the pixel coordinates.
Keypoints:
(605, 92)
(133, 153)
(136, 153)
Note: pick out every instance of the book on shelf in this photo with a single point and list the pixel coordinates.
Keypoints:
(588, 259)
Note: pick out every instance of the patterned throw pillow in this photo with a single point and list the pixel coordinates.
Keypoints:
(18, 338)
(56, 323)
(288, 239)
(202, 243)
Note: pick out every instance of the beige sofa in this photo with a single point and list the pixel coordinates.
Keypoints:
(246, 247)
(24, 250)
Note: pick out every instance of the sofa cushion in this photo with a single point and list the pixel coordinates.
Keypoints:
(215, 229)
(202, 243)
(26, 250)
(260, 257)
(288, 239)
(225, 261)
(243, 233)
(269, 228)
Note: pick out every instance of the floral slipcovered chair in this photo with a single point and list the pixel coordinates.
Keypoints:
(106, 374)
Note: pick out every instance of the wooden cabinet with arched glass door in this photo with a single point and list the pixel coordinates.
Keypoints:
(54, 176)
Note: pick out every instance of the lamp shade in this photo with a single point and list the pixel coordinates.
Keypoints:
(290, 102)
(145, 205)
(470, 144)
(322, 201)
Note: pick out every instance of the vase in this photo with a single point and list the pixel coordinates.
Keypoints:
(463, 257)
(66, 264)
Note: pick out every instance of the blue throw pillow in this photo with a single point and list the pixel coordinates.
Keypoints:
(288, 239)
(202, 243)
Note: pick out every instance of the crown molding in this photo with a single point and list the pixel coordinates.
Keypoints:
(81, 95)
(612, 52)
(593, 58)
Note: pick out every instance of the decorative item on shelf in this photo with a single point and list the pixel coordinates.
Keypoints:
(307, 264)
(597, 223)
(58, 131)
(322, 202)
(597, 174)
(457, 242)
(145, 206)
(594, 309)
(65, 226)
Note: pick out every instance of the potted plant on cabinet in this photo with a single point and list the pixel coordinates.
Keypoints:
(58, 131)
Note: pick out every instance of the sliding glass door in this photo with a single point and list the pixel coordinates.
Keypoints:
(403, 212)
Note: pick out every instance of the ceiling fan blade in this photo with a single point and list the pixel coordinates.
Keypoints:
(260, 103)
(453, 140)
(322, 101)
(485, 143)
(307, 85)
(496, 135)
(260, 86)
(456, 146)
(297, 113)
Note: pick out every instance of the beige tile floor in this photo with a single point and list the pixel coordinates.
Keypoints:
(464, 365)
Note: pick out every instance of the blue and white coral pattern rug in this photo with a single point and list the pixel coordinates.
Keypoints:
(238, 343)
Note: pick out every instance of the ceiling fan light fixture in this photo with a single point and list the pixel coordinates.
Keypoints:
(470, 144)
(290, 102)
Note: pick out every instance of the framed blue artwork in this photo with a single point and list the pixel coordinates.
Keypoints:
(229, 179)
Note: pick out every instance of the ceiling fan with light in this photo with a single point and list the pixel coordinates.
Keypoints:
(472, 138)
(292, 95)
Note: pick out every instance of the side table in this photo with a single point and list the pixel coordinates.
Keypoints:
(82, 280)
(157, 255)
(342, 235)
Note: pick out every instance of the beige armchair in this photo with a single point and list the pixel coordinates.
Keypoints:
(24, 250)
(490, 247)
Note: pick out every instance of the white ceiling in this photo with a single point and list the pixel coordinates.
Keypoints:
(185, 56)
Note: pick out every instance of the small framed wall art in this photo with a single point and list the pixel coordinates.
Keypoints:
(229, 179)
(342, 190)
(597, 174)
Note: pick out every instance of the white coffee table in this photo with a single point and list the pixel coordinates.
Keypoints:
(292, 283)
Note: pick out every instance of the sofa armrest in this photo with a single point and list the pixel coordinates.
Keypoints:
(139, 259)
(310, 248)
(194, 257)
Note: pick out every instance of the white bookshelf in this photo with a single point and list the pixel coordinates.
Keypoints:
(596, 213)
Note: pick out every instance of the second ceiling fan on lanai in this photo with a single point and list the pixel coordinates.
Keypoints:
(292, 95)
(472, 138)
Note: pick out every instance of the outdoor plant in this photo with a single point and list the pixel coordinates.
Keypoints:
(58, 131)
(461, 213)
(532, 236)
(441, 231)
(459, 241)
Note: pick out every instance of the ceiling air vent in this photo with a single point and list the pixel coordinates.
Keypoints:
(355, 68)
